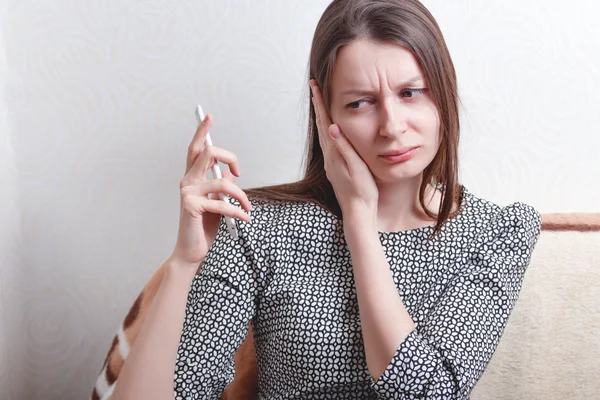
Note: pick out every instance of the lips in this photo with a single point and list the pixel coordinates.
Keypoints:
(398, 152)
(399, 156)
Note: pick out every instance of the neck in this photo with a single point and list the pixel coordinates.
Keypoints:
(399, 208)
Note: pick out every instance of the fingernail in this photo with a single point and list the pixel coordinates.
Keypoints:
(335, 132)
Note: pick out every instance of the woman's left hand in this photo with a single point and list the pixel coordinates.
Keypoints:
(352, 181)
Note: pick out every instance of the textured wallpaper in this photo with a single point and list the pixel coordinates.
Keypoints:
(96, 112)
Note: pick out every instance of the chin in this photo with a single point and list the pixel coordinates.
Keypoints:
(409, 170)
(396, 176)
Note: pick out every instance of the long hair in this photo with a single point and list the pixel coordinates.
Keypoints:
(409, 24)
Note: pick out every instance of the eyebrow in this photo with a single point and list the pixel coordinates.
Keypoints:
(362, 92)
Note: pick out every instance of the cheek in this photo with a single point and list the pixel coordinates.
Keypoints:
(429, 125)
(362, 134)
(359, 131)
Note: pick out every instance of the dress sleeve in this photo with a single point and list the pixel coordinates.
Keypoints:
(220, 305)
(444, 357)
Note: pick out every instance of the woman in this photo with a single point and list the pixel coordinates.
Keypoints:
(378, 274)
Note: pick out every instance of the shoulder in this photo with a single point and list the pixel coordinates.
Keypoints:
(517, 215)
(514, 227)
(280, 216)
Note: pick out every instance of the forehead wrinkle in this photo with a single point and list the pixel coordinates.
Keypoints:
(352, 85)
(373, 69)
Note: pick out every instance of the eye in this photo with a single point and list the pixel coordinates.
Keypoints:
(412, 93)
(356, 104)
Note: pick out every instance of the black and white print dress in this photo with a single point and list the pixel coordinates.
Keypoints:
(290, 274)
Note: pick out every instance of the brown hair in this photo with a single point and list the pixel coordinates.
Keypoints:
(409, 24)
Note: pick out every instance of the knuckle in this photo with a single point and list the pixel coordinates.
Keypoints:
(187, 203)
(221, 185)
(206, 152)
(185, 192)
(193, 149)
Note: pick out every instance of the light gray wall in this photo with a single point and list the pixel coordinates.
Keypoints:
(96, 112)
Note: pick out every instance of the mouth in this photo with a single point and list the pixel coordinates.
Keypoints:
(400, 155)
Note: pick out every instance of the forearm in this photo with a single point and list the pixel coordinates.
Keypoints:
(384, 320)
(148, 371)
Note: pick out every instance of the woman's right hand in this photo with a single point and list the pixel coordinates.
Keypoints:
(200, 215)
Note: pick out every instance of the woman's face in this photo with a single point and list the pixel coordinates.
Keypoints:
(380, 100)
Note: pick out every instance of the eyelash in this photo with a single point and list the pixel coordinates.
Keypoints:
(418, 91)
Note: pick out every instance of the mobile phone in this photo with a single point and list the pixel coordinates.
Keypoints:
(216, 174)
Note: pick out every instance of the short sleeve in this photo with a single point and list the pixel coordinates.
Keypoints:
(220, 305)
(445, 356)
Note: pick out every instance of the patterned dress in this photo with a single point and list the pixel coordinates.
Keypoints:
(290, 274)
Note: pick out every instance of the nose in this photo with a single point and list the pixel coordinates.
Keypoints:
(393, 118)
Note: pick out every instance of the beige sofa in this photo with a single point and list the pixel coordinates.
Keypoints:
(550, 349)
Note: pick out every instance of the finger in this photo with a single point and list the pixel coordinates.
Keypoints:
(228, 188)
(197, 205)
(317, 120)
(344, 147)
(323, 120)
(319, 128)
(197, 143)
(206, 160)
(223, 208)
(320, 104)
(227, 174)
(216, 186)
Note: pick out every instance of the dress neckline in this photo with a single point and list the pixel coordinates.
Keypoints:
(464, 199)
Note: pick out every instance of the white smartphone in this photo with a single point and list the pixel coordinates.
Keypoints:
(216, 174)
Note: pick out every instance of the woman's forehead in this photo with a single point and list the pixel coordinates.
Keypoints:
(365, 64)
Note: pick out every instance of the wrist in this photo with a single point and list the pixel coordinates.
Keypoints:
(359, 232)
(177, 265)
(178, 275)
(360, 220)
